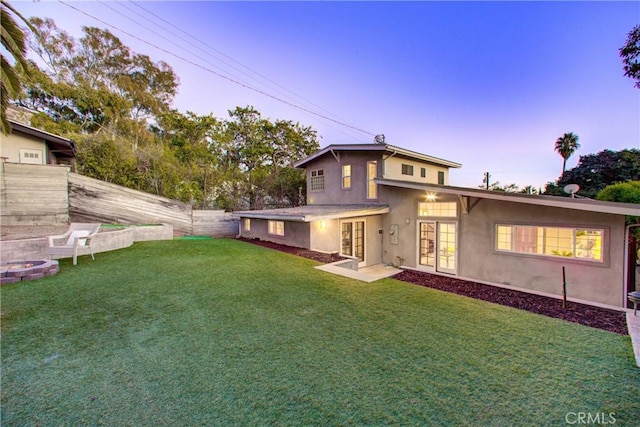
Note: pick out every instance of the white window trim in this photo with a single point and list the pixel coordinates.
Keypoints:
(573, 258)
(318, 177)
(274, 231)
(346, 187)
(371, 180)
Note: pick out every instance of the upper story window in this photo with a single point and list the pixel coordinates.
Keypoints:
(423, 172)
(407, 169)
(441, 177)
(276, 228)
(346, 176)
(316, 181)
(372, 172)
(578, 243)
(438, 209)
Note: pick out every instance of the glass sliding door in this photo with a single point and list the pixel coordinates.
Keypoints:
(352, 239)
(347, 238)
(447, 247)
(427, 244)
(437, 246)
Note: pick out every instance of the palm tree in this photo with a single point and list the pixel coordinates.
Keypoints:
(13, 42)
(566, 145)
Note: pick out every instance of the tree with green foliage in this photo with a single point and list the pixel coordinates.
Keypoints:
(630, 54)
(262, 153)
(566, 145)
(13, 42)
(624, 192)
(594, 172)
(116, 105)
(96, 84)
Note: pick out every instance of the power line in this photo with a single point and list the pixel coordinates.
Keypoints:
(232, 80)
(230, 58)
(220, 53)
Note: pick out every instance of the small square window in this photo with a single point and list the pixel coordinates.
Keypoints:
(407, 169)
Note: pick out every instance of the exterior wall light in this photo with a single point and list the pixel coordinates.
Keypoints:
(431, 197)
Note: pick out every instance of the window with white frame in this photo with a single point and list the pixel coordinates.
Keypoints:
(346, 176)
(438, 209)
(372, 172)
(276, 228)
(578, 243)
(423, 172)
(247, 224)
(316, 180)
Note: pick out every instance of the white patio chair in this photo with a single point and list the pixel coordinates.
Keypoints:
(75, 241)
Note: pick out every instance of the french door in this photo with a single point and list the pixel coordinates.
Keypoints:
(352, 239)
(437, 246)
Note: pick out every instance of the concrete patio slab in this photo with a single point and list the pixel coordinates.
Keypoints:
(365, 274)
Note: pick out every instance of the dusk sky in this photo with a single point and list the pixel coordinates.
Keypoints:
(490, 85)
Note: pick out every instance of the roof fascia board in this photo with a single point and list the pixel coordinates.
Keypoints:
(40, 133)
(424, 157)
(391, 149)
(551, 201)
(378, 210)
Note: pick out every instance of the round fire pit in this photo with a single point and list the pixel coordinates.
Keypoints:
(22, 271)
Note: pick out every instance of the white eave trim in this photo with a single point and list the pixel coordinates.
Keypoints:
(552, 201)
(280, 216)
(383, 148)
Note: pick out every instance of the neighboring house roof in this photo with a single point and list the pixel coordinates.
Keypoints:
(533, 199)
(62, 147)
(314, 212)
(391, 150)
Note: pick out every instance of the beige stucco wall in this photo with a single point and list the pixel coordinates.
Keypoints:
(393, 170)
(327, 238)
(10, 146)
(478, 260)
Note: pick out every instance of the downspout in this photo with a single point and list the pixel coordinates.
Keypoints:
(625, 263)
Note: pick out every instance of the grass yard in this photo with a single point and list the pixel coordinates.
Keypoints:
(221, 332)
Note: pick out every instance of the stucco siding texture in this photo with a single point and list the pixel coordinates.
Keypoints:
(477, 259)
(295, 233)
(592, 281)
(333, 193)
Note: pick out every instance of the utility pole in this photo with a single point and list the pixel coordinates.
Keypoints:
(485, 180)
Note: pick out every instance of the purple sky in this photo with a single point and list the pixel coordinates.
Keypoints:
(490, 85)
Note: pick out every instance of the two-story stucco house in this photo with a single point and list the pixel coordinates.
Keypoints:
(387, 205)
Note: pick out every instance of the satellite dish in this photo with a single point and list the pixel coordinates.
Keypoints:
(571, 189)
(379, 139)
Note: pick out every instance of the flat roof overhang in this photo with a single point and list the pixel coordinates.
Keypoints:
(311, 213)
(532, 199)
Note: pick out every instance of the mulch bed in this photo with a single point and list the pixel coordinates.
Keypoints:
(595, 317)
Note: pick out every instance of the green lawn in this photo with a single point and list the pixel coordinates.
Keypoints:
(219, 332)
